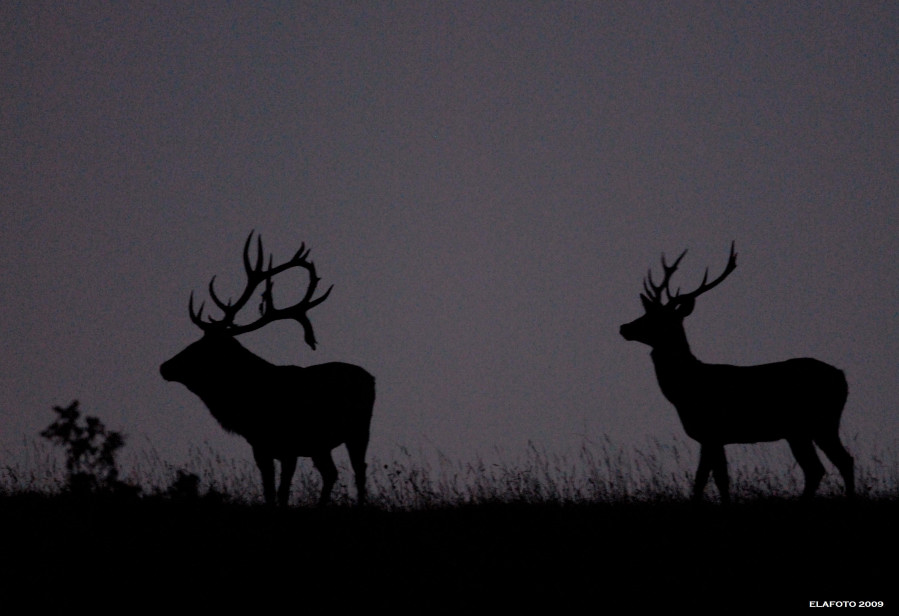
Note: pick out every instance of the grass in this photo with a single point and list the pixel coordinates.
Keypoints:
(607, 525)
(597, 472)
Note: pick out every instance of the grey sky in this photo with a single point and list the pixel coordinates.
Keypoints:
(484, 184)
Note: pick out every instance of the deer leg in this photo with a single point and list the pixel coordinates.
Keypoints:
(836, 453)
(804, 451)
(356, 449)
(325, 465)
(712, 461)
(719, 471)
(288, 467)
(702, 473)
(266, 466)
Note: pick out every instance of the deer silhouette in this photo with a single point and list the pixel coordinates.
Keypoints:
(799, 400)
(284, 412)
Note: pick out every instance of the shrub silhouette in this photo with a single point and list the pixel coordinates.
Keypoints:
(90, 451)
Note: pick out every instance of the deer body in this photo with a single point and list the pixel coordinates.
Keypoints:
(284, 412)
(726, 403)
(799, 400)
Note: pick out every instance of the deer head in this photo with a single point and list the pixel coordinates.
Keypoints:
(662, 324)
(217, 354)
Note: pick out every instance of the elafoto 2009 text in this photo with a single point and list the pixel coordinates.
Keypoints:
(846, 604)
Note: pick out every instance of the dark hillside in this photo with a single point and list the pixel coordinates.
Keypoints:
(777, 555)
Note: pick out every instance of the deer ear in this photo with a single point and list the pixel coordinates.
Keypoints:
(685, 307)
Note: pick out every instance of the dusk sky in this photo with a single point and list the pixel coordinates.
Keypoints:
(484, 183)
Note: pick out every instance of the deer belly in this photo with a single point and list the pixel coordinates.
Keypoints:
(734, 426)
(300, 436)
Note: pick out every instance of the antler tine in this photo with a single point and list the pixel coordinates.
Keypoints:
(308, 333)
(267, 302)
(253, 270)
(674, 265)
(705, 285)
(196, 317)
(255, 275)
(315, 302)
(298, 312)
(654, 291)
(224, 307)
(302, 253)
(313, 282)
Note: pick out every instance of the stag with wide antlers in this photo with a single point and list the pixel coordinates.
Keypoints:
(284, 412)
(799, 400)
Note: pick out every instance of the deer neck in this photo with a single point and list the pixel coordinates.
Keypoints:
(675, 367)
(228, 389)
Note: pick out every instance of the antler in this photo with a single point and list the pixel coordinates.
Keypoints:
(257, 273)
(704, 285)
(653, 292)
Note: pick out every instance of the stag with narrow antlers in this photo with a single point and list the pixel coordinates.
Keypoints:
(284, 412)
(799, 400)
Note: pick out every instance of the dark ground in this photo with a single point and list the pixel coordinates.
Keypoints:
(777, 555)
